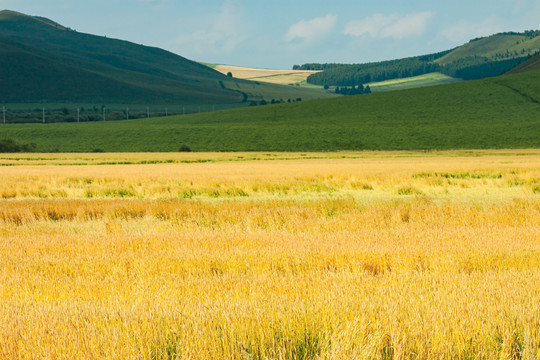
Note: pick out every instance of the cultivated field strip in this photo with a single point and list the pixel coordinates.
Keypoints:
(401, 270)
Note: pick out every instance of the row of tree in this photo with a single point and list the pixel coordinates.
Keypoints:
(353, 90)
(273, 101)
(531, 34)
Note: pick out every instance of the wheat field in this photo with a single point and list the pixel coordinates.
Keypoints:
(270, 256)
(281, 77)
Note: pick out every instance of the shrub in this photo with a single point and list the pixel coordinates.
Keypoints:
(184, 148)
(12, 146)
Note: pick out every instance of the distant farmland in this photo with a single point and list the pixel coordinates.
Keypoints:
(281, 77)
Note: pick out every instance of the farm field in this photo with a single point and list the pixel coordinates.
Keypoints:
(282, 77)
(346, 255)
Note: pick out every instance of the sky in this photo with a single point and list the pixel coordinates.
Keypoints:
(279, 34)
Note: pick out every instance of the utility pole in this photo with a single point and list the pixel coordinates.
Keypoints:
(127, 113)
(78, 115)
(104, 114)
(44, 115)
(166, 114)
(148, 112)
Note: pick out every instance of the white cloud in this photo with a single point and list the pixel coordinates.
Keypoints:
(464, 30)
(394, 26)
(218, 34)
(311, 29)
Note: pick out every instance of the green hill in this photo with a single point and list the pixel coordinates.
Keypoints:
(531, 64)
(478, 59)
(501, 112)
(496, 47)
(43, 61)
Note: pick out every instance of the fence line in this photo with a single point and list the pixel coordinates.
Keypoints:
(71, 113)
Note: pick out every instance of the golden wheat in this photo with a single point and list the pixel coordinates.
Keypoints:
(377, 257)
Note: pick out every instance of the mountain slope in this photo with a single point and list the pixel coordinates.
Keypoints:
(480, 58)
(501, 112)
(496, 47)
(531, 64)
(59, 64)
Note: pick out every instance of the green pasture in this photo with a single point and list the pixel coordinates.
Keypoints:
(501, 112)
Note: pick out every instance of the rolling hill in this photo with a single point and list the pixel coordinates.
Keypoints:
(496, 47)
(44, 61)
(480, 58)
(500, 112)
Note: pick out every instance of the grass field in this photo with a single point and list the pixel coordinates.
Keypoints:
(375, 255)
(412, 82)
(500, 112)
(282, 77)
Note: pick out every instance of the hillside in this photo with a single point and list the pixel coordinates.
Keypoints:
(500, 112)
(44, 61)
(495, 47)
(531, 64)
(480, 58)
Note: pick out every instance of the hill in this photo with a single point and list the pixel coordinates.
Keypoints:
(480, 58)
(44, 61)
(496, 47)
(531, 64)
(500, 112)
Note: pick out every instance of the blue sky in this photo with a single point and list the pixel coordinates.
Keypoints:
(279, 34)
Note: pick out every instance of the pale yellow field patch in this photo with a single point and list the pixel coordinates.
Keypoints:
(282, 77)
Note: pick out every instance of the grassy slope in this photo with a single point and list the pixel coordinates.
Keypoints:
(431, 79)
(532, 64)
(493, 45)
(494, 113)
(46, 62)
(53, 62)
(260, 90)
